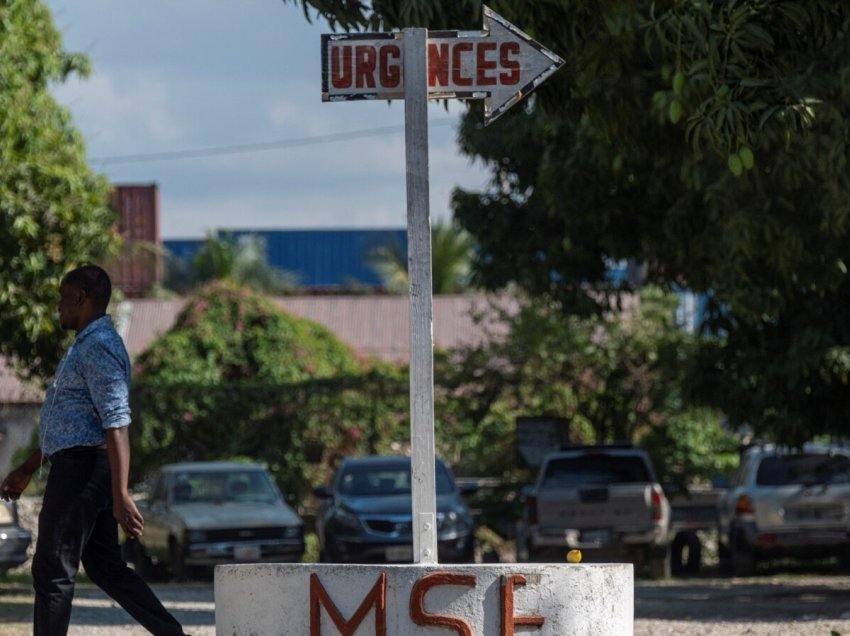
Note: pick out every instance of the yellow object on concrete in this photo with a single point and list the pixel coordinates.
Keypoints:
(574, 556)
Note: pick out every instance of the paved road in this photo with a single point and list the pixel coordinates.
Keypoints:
(778, 604)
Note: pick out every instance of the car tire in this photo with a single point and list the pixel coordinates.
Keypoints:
(742, 559)
(179, 571)
(686, 542)
(658, 567)
(134, 553)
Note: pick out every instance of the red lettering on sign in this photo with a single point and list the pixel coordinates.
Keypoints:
(484, 64)
(364, 66)
(319, 597)
(390, 72)
(341, 66)
(417, 602)
(506, 50)
(457, 63)
(438, 64)
(509, 621)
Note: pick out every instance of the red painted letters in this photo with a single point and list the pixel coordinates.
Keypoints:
(484, 65)
(417, 602)
(319, 597)
(377, 597)
(438, 64)
(390, 66)
(462, 64)
(509, 621)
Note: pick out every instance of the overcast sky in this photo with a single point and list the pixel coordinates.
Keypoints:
(210, 75)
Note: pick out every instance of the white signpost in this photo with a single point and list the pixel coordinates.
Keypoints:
(500, 64)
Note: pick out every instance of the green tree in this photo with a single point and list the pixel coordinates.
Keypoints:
(452, 251)
(704, 139)
(617, 376)
(53, 209)
(237, 377)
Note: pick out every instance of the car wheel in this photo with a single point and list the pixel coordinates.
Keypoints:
(179, 571)
(133, 552)
(658, 567)
(686, 553)
(742, 559)
(330, 555)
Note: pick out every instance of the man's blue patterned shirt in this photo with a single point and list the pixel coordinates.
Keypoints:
(90, 392)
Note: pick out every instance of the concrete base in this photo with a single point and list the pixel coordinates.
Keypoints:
(433, 600)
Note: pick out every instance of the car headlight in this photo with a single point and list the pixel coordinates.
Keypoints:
(292, 532)
(452, 522)
(346, 520)
(197, 536)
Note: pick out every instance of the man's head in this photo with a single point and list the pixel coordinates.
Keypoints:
(83, 296)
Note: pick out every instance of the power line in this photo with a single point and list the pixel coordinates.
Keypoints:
(262, 146)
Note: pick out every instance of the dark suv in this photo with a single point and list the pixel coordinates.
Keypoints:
(786, 503)
(366, 514)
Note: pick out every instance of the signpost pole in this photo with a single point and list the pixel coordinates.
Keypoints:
(423, 480)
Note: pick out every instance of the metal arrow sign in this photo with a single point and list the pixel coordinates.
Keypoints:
(500, 64)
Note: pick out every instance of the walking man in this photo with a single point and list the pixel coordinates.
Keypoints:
(84, 436)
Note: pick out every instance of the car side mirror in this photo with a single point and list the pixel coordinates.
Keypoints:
(322, 492)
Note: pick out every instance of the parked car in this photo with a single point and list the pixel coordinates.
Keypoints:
(603, 500)
(366, 514)
(14, 540)
(786, 503)
(207, 513)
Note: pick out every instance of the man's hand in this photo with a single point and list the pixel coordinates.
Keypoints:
(14, 484)
(128, 516)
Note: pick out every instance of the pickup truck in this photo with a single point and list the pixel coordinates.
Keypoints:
(603, 500)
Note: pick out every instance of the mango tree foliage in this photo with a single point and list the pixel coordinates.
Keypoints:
(706, 140)
(226, 381)
(614, 377)
(53, 209)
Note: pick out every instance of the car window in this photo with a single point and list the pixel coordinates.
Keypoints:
(220, 486)
(589, 470)
(364, 481)
(803, 470)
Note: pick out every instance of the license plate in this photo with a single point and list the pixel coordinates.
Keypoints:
(246, 552)
(596, 537)
(399, 553)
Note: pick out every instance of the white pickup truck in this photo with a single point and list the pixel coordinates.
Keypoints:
(603, 500)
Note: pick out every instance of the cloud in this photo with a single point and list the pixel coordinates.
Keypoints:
(116, 113)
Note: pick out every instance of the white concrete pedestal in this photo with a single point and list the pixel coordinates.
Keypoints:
(433, 600)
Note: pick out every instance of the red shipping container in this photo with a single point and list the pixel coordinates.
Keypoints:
(138, 265)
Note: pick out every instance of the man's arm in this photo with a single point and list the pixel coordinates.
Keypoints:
(19, 478)
(123, 507)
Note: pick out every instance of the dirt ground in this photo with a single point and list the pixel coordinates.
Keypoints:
(775, 603)
(796, 599)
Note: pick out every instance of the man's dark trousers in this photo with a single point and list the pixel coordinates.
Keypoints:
(76, 524)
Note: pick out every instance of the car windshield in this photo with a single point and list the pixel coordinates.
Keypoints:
(803, 470)
(594, 470)
(251, 486)
(365, 480)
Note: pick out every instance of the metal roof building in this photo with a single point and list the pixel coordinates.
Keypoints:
(321, 259)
